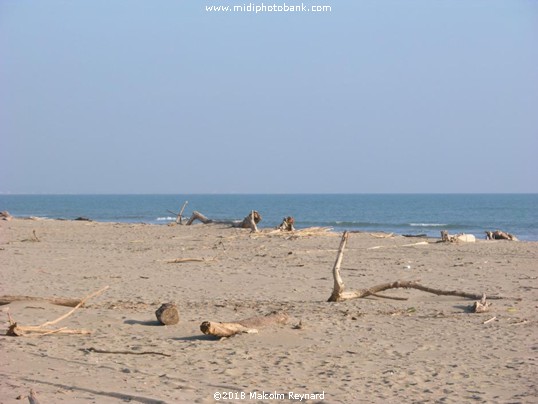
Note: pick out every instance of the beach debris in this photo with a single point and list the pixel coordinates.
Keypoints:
(83, 219)
(32, 398)
(287, 224)
(59, 301)
(249, 222)
(338, 294)
(16, 330)
(5, 215)
(500, 235)
(490, 320)
(465, 238)
(167, 314)
(179, 215)
(480, 306)
(382, 235)
(183, 260)
(34, 238)
(105, 351)
(248, 326)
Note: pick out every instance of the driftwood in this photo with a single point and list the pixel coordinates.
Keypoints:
(179, 215)
(338, 293)
(52, 300)
(167, 314)
(500, 235)
(287, 224)
(20, 330)
(104, 351)
(5, 215)
(466, 238)
(33, 239)
(481, 306)
(249, 222)
(32, 398)
(183, 260)
(249, 325)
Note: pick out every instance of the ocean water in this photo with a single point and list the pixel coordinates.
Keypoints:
(399, 213)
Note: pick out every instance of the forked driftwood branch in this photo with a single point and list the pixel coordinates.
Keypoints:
(339, 294)
(20, 330)
(179, 215)
(249, 325)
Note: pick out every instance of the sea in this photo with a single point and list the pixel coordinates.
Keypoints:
(405, 214)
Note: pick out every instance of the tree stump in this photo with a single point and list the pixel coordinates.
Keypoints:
(167, 314)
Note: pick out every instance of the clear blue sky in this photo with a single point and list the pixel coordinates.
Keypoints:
(109, 96)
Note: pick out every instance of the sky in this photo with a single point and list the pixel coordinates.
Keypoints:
(373, 96)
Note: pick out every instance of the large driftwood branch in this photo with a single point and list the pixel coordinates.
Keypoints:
(249, 325)
(249, 222)
(20, 330)
(338, 293)
(59, 301)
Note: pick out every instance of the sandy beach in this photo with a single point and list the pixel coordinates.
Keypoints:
(426, 349)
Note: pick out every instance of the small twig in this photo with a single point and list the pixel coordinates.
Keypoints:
(490, 320)
(520, 322)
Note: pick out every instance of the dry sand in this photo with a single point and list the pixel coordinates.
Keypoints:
(425, 349)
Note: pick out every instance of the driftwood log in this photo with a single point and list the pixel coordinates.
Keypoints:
(249, 325)
(167, 314)
(466, 238)
(249, 222)
(339, 294)
(500, 235)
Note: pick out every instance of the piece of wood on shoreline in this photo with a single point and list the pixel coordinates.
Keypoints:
(248, 325)
(58, 301)
(17, 330)
(339, 294)
(183, 260)
(249, 222)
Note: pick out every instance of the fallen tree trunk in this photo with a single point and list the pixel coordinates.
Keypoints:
(249, 222)
(249, 325)
(338, 293)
